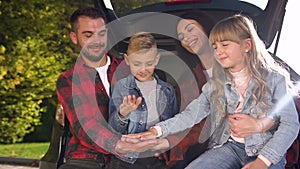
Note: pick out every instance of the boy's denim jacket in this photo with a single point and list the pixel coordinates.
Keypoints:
(272, 144)
(136, 121)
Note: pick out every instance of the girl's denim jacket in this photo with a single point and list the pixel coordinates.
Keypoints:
(136, 121)
(272, 144)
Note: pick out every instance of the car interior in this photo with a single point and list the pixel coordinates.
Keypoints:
(161, 20)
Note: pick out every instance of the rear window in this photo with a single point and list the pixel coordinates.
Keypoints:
(121, 8)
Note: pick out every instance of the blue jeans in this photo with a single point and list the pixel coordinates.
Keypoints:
(231, 155)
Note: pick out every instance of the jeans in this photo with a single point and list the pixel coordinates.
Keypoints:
(231, 155)
(83, 164)
(140, 163)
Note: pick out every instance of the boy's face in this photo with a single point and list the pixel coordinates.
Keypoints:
(142, 63)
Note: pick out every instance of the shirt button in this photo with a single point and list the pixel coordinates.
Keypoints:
(254, 150)
(141, 122)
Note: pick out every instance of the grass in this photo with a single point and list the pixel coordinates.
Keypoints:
(24, 150)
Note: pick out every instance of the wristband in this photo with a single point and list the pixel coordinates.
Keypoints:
(158, 130)
(265, 160)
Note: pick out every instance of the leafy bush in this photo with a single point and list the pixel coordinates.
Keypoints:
(34, 49)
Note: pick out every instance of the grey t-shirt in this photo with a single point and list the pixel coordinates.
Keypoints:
(148, 89)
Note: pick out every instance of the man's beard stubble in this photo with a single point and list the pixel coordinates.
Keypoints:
(94, 58)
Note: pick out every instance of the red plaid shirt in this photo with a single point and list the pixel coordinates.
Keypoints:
(85, 103)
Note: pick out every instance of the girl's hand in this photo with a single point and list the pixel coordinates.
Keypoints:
(129, 104)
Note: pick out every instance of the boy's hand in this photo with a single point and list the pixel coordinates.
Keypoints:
(129, 104)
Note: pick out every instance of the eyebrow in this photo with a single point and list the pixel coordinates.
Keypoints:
(102, 31)
(84, 32)
(185, 28)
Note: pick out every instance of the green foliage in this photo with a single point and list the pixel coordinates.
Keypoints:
(24, 150)
(123, 7)
(34, 49)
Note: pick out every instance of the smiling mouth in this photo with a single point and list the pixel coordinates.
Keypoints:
(192, 43)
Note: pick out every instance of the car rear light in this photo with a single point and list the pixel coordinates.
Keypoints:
(174, 2)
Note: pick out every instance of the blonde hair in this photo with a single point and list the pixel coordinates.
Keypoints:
(141, 41)
(258, 61)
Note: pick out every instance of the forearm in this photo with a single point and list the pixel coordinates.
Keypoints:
(265, 124)
(118, 122)
(86, 121)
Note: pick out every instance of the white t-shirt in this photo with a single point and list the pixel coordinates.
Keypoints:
(103, 75)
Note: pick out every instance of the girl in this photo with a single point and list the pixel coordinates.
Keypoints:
(245, 80)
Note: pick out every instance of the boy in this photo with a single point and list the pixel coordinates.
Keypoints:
(140, 100)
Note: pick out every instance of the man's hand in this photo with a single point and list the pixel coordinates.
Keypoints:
(257, 164)
(163, 145)
(135, 145)
(129, 104)
(60, 114)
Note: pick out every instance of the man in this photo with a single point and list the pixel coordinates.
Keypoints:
(84, 91)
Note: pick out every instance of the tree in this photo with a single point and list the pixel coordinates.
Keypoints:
(34, 49)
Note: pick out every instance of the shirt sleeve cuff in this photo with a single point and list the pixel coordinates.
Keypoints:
(159, 131)
(265, 160)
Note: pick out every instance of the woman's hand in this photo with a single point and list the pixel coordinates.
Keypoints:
(242, 125)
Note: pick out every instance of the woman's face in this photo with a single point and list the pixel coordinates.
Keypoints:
(192, 36)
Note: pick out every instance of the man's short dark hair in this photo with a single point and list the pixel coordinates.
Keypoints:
(90, 12)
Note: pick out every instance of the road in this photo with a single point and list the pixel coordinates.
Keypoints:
(5, 166)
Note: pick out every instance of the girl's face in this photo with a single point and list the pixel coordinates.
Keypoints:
(142, 64)
(192, 35)
(231, 55)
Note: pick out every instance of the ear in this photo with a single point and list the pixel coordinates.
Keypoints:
(73, 37)
(126, 58)
(157, 59)
(247, 44)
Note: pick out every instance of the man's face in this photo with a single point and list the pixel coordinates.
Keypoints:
(91, 38)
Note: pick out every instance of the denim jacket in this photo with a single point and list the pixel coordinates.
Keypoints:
(137, 120)
(272, 144)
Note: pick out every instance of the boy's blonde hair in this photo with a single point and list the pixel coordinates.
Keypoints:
(140, 42)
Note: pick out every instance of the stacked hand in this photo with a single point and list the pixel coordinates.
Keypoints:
(125, 145)
(141, 142)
